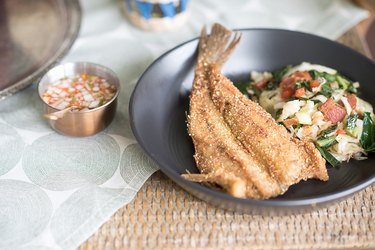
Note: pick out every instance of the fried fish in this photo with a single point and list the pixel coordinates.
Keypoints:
(238, 145)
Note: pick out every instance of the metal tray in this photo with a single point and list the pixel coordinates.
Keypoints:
(34, 36)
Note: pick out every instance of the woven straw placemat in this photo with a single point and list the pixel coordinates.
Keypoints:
(163, 216)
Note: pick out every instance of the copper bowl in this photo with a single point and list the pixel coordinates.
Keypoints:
(79, 123)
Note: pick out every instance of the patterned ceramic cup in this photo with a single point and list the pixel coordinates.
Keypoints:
(157, 15)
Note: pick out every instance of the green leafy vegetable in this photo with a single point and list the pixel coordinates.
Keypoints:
(315, 101)
(271, 85)
(243, 86)
(368, 132)
(278, 74)
(299, 98)
(352, 89)
(326, 90)
(326, 133)
(302, 84)
(342, 81)
(292, 98)
(278, 113)
(316, 75)
(328, 156)
(326, 142)
(329, 77)
(371, 149)
(298, 126)
(351, 122)
(257, 91)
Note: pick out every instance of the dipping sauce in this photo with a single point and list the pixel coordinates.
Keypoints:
(82, 92)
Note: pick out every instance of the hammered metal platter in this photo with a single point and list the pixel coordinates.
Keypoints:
(34, 36)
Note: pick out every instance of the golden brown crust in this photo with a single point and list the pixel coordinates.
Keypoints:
(238, 145)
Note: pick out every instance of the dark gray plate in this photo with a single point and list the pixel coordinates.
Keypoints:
(34, 36)
(160, 101)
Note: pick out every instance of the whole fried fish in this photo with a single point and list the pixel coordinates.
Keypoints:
(238, 145)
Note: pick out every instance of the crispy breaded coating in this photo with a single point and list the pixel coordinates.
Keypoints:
(238, 145)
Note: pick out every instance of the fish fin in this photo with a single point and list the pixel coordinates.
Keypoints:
(316, 167)
(232, 184)
(216, 47)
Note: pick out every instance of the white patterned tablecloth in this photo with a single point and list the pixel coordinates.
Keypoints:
(55, 191)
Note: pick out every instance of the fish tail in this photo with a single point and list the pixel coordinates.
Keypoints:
(216, 47)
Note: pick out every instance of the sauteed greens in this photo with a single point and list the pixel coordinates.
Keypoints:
(317, 103)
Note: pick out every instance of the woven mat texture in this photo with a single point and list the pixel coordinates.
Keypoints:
(163, 216)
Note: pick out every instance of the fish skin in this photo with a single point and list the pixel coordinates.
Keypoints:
(238, 145)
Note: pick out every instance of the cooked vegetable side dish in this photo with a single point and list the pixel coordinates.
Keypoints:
(318, 104)
(238, 145)
(82, 92)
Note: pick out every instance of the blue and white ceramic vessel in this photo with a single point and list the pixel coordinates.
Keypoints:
(157, 14)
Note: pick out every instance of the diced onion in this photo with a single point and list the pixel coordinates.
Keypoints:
(290, 108)
(279, 105)
(347, 106)
(62, 105)
(267, 100)
(259, 76)
(304, 115)
(320, 98)
(363, 106)
(94, 104)
(81, 92)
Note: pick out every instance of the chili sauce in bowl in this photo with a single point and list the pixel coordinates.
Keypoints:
(80, 98)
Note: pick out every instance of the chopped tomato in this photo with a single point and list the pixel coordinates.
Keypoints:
(314, 84)
(261, 84)
(285, 94)
(332, 111)
(288, 83)
(352, 100)
(287, 87)
(300, 92)
(340, 131)
(301, 75)
(290, 122)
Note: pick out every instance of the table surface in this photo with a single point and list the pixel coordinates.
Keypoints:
(163, 216)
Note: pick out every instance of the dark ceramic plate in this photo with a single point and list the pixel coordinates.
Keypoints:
(160, 101)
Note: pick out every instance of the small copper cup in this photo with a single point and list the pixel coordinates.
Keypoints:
(79, 123)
